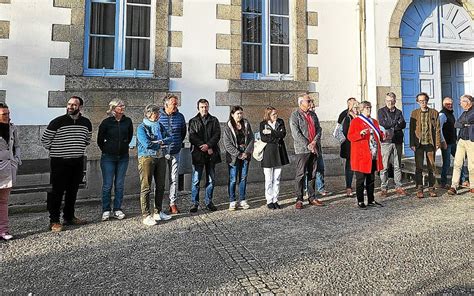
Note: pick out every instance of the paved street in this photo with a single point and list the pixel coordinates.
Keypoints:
(407, 246)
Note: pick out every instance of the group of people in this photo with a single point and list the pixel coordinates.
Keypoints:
(367, 144)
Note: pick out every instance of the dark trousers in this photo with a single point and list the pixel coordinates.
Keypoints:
(306, 165)
(367, 182)
(420, 152)
(66, 175)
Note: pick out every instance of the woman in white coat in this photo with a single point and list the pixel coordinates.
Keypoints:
(9, 162)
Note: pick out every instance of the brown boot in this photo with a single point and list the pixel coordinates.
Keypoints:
(174, 210)
(401, 191)
(419, 194)
(56, 227)
(452, 191)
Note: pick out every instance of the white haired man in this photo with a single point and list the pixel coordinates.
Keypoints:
(448, 141)
(465, 123)
(306, 132)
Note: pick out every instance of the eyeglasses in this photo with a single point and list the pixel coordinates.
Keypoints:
(4, 113)
(422, 101)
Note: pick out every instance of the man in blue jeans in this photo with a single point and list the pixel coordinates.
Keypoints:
(318, 182)
(204, 136)
(448, 142)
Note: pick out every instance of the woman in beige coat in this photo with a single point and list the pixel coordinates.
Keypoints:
(9, 162)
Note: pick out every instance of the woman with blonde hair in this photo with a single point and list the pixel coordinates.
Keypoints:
(9, 162)
(272, 132)
(113, 138)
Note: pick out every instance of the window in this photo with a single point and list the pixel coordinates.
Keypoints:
(266, 39)
(118, 38)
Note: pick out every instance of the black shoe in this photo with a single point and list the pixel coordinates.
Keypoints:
(271, 206)
(211, 207)
(194, 208)
(362, 205)
(374, 204)
(277, 206)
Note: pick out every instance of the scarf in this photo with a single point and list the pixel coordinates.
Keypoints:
(154, 127)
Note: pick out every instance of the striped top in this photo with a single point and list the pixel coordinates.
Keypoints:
(66, 137)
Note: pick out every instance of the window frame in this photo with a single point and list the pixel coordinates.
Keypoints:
(120, 39)
(266, 46)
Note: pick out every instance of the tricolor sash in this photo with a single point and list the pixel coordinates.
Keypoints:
(372, 126)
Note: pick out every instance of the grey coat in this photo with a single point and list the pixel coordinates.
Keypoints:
(299, 131)
(9, 158)
(230, 143)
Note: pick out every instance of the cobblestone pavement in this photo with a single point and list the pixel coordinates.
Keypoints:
(408, 246)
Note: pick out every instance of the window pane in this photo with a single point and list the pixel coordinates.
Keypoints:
(138, 21)
(252, 28)
(140, 1)
(137, 54)
(252, 6)
(251, 58)
(280, 7)
(103, 18)
(101, 52)
(280, 59)
(279, 30)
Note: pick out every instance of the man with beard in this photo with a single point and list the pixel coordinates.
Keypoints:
(66, 138)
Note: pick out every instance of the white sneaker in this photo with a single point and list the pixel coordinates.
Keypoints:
(6, 236)
(149, 221)
(119, 215)
(161, 217)
(105, 215)
(244, 205)
(232, 205)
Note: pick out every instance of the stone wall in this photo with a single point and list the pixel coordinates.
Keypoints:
(4, 34)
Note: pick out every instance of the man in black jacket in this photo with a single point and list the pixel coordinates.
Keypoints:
(204, 135)
(393, 122)
(448, 141)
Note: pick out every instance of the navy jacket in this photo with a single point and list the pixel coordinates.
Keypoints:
(175, 125)
(114, 136)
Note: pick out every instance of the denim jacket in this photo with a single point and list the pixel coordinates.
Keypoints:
(147, 132)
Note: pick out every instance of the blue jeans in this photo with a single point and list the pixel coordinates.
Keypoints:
(238, 173)
(349, 173)
(319, 175)
(210, 177)
(113, 166)
(446, 153)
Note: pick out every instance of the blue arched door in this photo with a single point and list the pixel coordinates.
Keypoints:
(427, 28)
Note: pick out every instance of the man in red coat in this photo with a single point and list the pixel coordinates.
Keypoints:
(366, 156)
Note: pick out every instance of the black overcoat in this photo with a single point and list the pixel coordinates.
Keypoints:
(275, 154)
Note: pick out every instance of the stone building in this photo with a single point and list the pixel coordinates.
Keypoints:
(252, 53)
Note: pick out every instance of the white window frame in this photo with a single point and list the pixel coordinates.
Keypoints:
(266, 75)
(120, 38)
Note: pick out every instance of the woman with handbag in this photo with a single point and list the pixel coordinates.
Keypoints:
(238, 143)
(272, 132)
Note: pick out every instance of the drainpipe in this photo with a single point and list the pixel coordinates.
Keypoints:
(362, 51)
